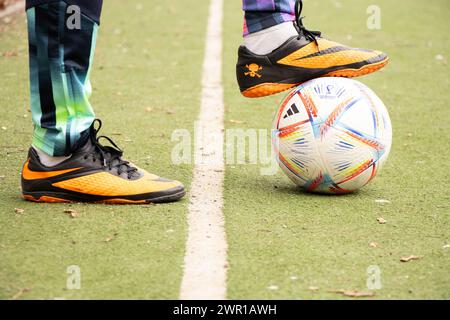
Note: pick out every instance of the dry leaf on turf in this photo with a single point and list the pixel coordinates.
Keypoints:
(110, 238)
(382, 201)
(409, 258)
(355, 293)
(20, 293)
(373, 244)
(9, 54)
(381, 220)
(236, 121)
(72, 213)
(19, 211)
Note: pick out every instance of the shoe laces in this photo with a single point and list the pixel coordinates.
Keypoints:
(110, 155)
(308, 34)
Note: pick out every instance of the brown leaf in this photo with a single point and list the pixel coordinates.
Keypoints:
(9, 54)
(111, 238)
(72, 213)
(20, 293)
(355, 293)
(381, 220)
(409, 258)
(19, 211)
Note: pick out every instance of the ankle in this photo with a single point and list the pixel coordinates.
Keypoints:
(267, 40)
(47, 160)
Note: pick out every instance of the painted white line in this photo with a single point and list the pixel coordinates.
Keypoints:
(16, 7)
(205, 264)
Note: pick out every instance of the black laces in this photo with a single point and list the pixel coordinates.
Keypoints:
(310, 35)
(111, 156)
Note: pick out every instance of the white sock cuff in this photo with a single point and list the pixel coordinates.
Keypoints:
(47, 160)
(267, 40)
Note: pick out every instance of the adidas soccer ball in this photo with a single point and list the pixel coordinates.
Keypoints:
(332, 135)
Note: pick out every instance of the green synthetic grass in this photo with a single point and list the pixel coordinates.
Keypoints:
(276, 232)
(147, 83)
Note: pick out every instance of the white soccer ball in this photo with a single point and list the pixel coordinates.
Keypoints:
(332, 135)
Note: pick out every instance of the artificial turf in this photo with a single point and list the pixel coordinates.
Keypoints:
(290, 245)
(146, 82)
(281, 242)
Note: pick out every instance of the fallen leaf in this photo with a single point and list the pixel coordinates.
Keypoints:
(72, 213)
(19, 211)
(20, 293)
(382, 201)
(354, 293)
(373, 244)
(110, 238)
(381, 220)
(409, 258)
(237, 121)
(9, 54)
(170, 112)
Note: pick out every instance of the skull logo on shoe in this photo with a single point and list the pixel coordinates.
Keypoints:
(253, 70)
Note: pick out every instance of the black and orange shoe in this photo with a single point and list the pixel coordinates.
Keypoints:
(300, 59)
(95, 173)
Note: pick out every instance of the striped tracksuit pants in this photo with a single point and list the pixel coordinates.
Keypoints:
(62, 36)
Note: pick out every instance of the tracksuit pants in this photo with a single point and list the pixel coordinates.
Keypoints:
(62, 36)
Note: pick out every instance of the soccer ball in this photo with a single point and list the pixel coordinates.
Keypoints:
(332, 135)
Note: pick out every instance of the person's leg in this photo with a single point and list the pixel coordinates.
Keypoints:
(279, 54)
(263, 14)
(267, 24)
(62, 41)
(67, 162)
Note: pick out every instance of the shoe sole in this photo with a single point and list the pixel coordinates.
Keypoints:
(267, 89)
(43, 197)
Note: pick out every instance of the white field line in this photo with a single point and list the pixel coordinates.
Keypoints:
(205, 263)
(16, 7)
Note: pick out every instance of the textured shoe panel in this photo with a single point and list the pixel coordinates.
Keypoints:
(331, 54)
(106, 184)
